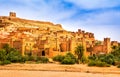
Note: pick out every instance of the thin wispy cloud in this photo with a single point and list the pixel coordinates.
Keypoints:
(98, 16)
(95, 4)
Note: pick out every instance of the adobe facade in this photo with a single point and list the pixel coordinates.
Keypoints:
(46, 39)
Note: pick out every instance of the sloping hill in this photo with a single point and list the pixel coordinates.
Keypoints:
(19, 22)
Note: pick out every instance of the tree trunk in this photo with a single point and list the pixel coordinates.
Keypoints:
(79, 58)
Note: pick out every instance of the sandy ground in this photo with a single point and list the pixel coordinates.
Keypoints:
(25, 73)
(57, 70)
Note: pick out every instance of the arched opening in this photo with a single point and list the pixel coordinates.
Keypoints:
(43, 53)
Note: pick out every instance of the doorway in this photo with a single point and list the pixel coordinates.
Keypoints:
(43, 53)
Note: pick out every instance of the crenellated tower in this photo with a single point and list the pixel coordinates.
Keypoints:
(107, 45)
(12, 14)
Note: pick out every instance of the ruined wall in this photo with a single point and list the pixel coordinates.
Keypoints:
(114, 43)
(98, 49)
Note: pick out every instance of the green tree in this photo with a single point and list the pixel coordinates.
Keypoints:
(79, 51)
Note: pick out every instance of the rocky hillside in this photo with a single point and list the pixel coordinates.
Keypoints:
(19, 22)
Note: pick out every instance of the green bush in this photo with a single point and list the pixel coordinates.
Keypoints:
(37, 58)
(24, 59)
(92, 63)
(8, 55)
(98, 64)
(109, 59)
(70, 55)
(43, 59)
(84, 59)
(68, 60)
(14, 56)
(102, 64)
(58, 58)
(3, 55)
(34, 59)
(30, 58)
(106, 58)
(94, 57)
(5, 62)
(1, 62)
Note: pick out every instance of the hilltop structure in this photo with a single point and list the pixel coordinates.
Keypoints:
(47, 39)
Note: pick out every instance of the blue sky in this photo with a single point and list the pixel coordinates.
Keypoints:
(102, 17)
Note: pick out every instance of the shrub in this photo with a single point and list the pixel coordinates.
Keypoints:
(109, 59)
(58, 58)
(0, 62)
(24, 59)
(106, 58)
(102, 64)
(30, 58)
(3, 55)
(94, 57)
(98, 64)
(84, 59)
(68, 60)
(70, 55)
(92, 63)
(5, 62)
(14, 56)
(43, 59)
(37, 58)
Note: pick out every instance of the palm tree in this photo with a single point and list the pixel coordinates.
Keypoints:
(79, 51)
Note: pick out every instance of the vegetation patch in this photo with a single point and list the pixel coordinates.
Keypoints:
(69, 58)
(10, 55)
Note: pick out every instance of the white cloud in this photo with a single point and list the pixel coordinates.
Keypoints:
(100, 31)
(35, 9)
(103, 24)
(104, 18)
(105, 31)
